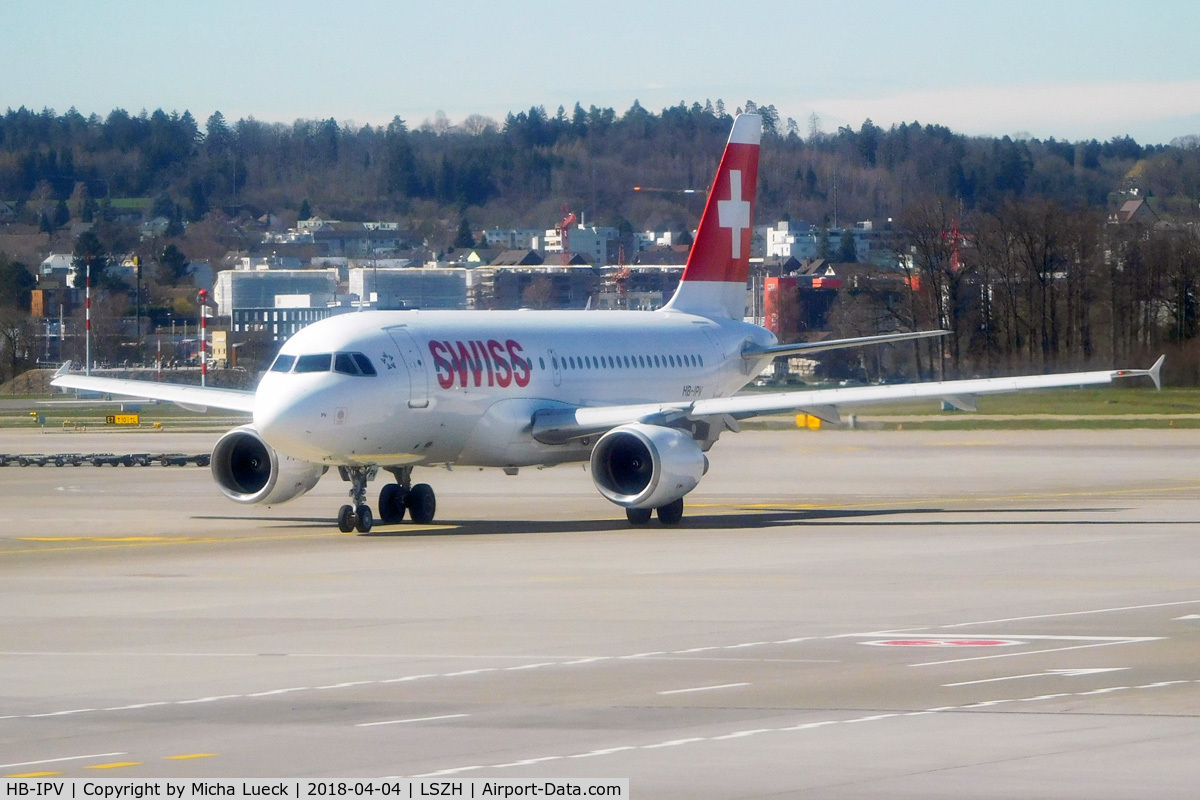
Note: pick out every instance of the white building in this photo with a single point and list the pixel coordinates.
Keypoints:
(56, 265)
(415, 287)
(648, 239)
(246, 289)
(509, 239)
(591, 243)
(267, 262)
(803, 241)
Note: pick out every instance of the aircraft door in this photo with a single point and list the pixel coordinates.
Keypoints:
(418, 380)
(555, 366)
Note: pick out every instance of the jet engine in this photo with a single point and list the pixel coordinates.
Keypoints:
(248, 471)
(646, 466)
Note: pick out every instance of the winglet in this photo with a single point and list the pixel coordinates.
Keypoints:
(63, 370)
(1154, 373)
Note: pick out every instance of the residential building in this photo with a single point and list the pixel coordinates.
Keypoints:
(281, 322)
(58, 266)
(591, 243)
(508, 239)
(549, 286)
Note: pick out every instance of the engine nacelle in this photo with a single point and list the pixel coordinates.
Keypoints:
(646, 466)
(248, 471)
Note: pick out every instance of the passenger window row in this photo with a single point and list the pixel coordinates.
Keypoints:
(627, 362)
(359, 364)
(345, 363)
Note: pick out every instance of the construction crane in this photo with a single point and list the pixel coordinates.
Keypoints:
(621, 279)
(665, 191)
(564, 228)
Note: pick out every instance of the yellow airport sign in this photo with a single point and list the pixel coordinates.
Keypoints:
(808, 421)
(123, 419)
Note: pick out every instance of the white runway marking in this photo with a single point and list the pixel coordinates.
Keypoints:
(1131, 640)
(806, 726)
(406, 721)
(581, 661)
(1071, 673)
(704, 688)
(1073, 613)
(57, 760)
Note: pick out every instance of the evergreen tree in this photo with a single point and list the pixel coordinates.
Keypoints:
(464, 238)
(847, 250)
(88, 247)
(16, 282)
(175, 221)
(174, 265)
(823, 249)
(218, 138)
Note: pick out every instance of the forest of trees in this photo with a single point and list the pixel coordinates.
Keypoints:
(1040, 278)
(520, 172)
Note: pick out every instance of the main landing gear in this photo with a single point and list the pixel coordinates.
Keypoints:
(670, 514)
(395, 499)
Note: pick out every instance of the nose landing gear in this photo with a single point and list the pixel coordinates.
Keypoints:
(356, 516)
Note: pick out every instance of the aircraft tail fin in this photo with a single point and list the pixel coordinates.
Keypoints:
(714, 280)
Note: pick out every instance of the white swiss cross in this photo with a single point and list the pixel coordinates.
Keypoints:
(734, 213)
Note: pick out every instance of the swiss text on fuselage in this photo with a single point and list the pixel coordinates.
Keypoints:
(479, 363)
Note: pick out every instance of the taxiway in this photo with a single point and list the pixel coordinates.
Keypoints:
(841, 614)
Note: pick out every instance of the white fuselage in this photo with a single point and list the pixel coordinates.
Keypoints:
(462, 386)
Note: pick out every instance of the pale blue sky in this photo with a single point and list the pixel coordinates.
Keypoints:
(1066, 69)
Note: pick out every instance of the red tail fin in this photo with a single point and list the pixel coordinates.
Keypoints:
(714, 281)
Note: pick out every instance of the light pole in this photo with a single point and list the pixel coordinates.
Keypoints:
(137, 318)
(203, 343)
(87, 321)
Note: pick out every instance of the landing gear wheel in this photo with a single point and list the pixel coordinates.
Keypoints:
(346, 519)
(422, 503)
(391, 504)
(638, 516)
(363, 518)
(671, 513)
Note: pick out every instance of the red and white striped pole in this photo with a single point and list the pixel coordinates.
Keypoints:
(203, 341)
(87, 320)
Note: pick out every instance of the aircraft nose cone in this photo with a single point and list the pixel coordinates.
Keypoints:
(281, 419)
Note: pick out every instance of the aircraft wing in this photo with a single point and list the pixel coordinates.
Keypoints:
(801, 348)
(193, 398)
(555, 426)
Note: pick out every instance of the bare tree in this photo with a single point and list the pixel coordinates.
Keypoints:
(930, 227)
(539, 294)
(17, 342)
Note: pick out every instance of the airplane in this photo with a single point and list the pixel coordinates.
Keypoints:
(641, 396)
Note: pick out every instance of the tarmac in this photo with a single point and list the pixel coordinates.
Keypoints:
(842, 614)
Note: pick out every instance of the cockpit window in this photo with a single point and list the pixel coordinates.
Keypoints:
(283, 363)
(344, 363)
(313, 362)
(364, 363)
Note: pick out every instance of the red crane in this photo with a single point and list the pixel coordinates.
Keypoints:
(564, 229)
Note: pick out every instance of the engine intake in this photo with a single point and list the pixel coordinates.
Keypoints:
(646, 466)
(248, 471)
